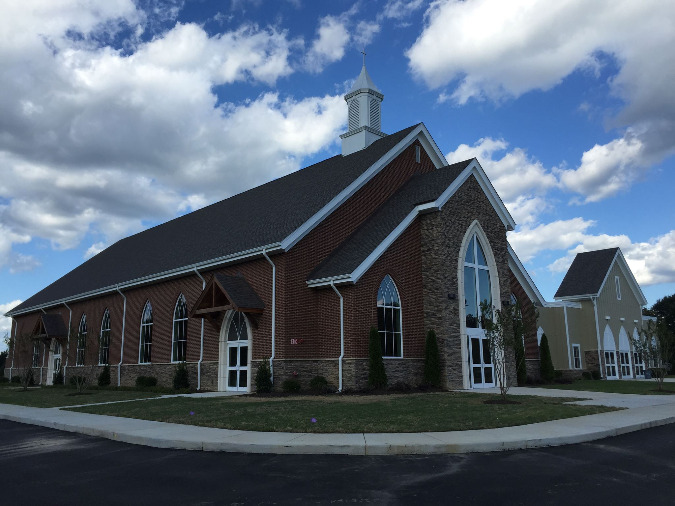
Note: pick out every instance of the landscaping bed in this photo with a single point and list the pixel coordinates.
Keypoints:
(418, 412)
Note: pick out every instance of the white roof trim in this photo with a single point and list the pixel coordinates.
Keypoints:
(473, 168)
(632, 282)
(524, 278)
(420, 132)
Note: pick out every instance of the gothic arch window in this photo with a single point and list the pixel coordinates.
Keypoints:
(477, 288)
(180, 321)
(104, 341)
(81, 341)
(389, 318)
(145, 352)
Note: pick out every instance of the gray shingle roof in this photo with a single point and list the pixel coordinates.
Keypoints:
(587, 272)
(241, 294)
(263, 215)
(355, 249)
(54, 325)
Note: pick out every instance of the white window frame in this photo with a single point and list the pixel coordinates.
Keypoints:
(576, 356)
(624, 364)
(418, 154)
(183, 322)
(104, 339)
(81, 346)
(617, 282)
(610, 365)
(391, 308)
(35, 359)
(145, 345)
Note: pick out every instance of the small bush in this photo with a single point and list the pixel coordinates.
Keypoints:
(596, 375)
(181, 380)
(58, 378)
(586, 375)
(146, 381)
(263, 379)
(104, 377)
(432, 361)
(377, 376)
(318, 384)
(545, 363)
(16, 379)
(291, 386)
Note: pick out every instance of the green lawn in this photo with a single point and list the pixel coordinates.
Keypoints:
(616, 386)
(444, 411)
(51, 397)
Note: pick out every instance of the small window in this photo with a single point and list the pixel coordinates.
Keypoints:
(576, 356)
(180, 320)
(36, 354)
(618, 287)
(418, 155)
(389, 318)
(81, 341)
(104, 341)
(145, 352)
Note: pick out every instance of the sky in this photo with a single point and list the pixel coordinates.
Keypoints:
(119, 115)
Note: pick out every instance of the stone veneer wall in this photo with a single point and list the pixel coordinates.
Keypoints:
(533, 368)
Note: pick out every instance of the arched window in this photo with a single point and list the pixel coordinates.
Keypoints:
(145, 352)
(389, 318)
(81, 341)
(477, 288)
(104, 341)
(180, 320)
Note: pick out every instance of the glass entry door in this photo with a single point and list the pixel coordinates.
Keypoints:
(481, 367)
(54, 363)
(238, 368)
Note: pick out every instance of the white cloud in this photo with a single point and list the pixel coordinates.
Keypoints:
(329, 46)
(6, 323)
(401, 9)
(365, 33)
(557, 235)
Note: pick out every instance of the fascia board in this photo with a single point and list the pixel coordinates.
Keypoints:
(577, 297)
(563, 303)
(180, 271)
(339, 279)
(635, 286)
(420, 132)
(492, 195)
(524, 277)
(609, 269)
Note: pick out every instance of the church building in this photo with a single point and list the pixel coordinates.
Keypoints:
(385, 234)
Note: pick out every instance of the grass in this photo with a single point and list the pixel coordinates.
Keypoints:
(51, 397)
(616, 386)
(445, 411)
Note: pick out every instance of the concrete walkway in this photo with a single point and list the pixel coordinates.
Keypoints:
(642, 411)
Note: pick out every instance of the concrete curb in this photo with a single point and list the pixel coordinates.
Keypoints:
(187, 437)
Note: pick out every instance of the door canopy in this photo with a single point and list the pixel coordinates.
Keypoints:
(223, 293)
(50, 326)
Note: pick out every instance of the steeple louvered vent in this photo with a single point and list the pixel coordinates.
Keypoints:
(364, 113)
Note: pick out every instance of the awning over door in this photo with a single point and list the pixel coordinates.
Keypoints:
(50, 326)
(223, 293)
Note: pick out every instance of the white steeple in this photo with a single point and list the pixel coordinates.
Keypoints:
(364, 104)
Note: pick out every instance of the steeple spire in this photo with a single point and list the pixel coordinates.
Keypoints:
(364, 104)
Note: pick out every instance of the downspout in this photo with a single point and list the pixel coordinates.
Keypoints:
(124, 321)
(70, 321)
(342, 335)
(201, 341)
(44, 351)
(597, 334)
(16, 329)
(274, 311)
(567, 334)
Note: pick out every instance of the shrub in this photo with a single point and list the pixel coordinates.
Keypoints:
(545, 363)
(104, 377)
(586, 375)
(377, 376)
(58, 378)
(432, 361)
(181, 380)
(596, 375)
(263, 380)
(146, 381)
(291, 386)
(521, 368)
(318, 384)
(16, 379)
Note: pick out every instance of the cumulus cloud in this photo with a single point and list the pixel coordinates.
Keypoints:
(99, 139)
(329, 46)
(6, 323)
(401, 9)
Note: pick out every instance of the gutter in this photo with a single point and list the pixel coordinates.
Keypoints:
(16, 329)
(342, 336)
(597, 334)
(201, 341)
(70, 321)
(124, 321)
(274, 310)
(567, 334)
(44, 352)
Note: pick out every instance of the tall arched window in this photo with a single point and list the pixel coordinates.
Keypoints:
(145, 352)
(180, 320)
(389, 318)
(81, 341)
(477, 288)
(104, 341)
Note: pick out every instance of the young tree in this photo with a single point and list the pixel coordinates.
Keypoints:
(656, 344)
(432, 361)
(23, 346)
(377, 376)
(500, 330)
(664, 309)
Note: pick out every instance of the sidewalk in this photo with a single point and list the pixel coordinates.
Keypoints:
(642, 411)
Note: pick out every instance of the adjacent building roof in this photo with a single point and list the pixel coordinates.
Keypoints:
(587, 273)
(230, 227)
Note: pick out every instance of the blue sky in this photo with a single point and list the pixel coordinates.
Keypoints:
(117, 116)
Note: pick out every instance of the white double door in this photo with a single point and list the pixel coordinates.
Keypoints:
(481, 366)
